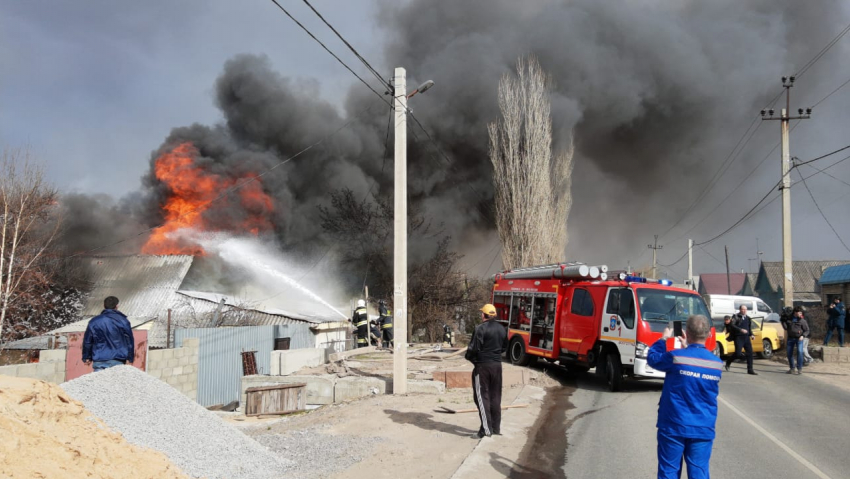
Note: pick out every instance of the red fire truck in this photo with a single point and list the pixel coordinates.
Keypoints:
(576, 315)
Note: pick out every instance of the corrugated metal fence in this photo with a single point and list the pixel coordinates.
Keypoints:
(220, 359)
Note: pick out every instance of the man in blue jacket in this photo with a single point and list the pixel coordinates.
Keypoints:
(109, 338)
(687, 411)
(835, 321)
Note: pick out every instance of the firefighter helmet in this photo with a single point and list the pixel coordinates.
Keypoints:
(361, 303)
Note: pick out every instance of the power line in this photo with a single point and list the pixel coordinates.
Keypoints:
(772, 189)
(353, 50)
(675, 262)
(823, 51)
(807, 177)
(712, 256)
(724, 166)
(822, 157)
(720, 171)
(332, 53)
(827, 174)
(726, 198)
(831, 93)
(753, 209)
(821, 213)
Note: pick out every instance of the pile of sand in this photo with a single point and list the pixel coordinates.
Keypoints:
(46, 434)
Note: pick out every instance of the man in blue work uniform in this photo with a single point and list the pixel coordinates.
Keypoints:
(109, 338)
(687, 411)
(835, 320)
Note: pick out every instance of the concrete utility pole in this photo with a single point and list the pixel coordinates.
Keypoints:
(691, 263)
(787, 263)
(654, 247)
(400, 234)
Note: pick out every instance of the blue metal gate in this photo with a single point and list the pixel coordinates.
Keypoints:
(220, 355)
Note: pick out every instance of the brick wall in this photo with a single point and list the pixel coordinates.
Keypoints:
(50, 368)
(177, 367)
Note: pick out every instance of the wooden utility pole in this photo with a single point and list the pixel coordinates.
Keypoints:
(654, 247)
(728, 278)
(785, 118)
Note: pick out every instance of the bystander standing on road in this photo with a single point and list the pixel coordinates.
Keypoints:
(807, 358)
(489, 340)
(108, 340)
(687, 412)
(798, 328)
(742, 329)
(836, 314)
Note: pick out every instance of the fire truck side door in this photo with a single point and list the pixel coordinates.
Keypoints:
(618, 323)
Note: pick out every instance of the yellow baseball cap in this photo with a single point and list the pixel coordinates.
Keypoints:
(489, 310)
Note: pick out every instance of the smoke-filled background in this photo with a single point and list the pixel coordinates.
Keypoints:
(654, 95)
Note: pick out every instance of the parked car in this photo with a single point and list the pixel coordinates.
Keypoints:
(720, 305)
(765, 343)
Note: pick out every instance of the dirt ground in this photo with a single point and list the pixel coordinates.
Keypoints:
(836, 374)
(382, 436)
(46, 434)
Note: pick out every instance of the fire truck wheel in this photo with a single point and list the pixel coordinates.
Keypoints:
(517, 354)
(613, 372)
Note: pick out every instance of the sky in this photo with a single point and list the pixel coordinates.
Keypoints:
(92, 88)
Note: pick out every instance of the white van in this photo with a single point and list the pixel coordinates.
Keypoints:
(720, 305)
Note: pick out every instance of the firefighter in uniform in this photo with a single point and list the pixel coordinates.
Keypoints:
(361, 321)
(687, 411)
(386, 321)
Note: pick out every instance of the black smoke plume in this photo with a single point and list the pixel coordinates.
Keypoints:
(653, 95)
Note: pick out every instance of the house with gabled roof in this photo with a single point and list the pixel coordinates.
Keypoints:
(835, 281)
(806, 276)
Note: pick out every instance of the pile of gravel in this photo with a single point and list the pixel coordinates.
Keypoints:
(317, 455)
(150, 413)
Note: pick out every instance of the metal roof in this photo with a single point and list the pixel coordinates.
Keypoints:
(248, 313)
(716, 283)
(47, 340)
(145, 285)
(807, 276)
(836, 275)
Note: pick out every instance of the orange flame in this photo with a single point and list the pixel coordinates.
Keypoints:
(192, 191)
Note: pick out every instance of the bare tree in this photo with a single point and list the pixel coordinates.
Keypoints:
(438, 293)
(28, 228)
(532, 183)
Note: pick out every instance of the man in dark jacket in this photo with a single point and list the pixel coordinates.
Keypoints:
(835, 321)
(687, 411)
(488, 342)
(797, 329)
(109, 338)
(741, 329)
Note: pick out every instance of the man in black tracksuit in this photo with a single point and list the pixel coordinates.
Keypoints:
(489, 341)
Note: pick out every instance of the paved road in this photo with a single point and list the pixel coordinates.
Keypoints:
(772, 425)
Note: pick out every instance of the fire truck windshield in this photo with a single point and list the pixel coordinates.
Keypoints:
(658, 307)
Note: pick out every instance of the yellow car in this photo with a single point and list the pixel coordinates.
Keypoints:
(765, 343)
